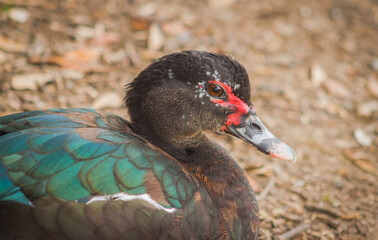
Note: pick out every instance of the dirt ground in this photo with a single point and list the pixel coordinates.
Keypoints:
(314, 72)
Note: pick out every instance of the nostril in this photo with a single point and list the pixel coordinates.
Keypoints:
(256, 127)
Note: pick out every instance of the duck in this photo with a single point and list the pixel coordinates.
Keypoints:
(85, 174)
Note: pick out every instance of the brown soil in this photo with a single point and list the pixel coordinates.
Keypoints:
(313, 66)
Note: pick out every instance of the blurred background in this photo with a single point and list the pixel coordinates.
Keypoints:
(313, 66)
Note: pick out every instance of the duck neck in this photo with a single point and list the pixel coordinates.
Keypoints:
(218, 172)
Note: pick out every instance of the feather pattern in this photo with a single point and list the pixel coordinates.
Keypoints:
(58, 161)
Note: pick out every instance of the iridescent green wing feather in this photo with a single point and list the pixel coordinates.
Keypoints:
(80, 159)
(73, 154)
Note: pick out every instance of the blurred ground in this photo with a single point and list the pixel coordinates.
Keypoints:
(313, 66)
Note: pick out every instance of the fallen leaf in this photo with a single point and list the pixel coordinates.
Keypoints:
(315, 207)
(351, 216)
(31, 80)
(140, 23)
(252, 167)
(261, 170)
(372, 87)
(133, 55)
(335, 88)
(79, 59)
(81, 56)
(3, 57)
(344, 143)
(360, 159)
(254, 184)
(9, 45)
(109, 37)
(217, 4)
(114, 57)
(147, 9)
(72, 74)
(108, 100)
(367, 109)
(365, 165)
(155, 37)
(85, 32)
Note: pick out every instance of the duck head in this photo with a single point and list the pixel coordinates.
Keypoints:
(180, 95)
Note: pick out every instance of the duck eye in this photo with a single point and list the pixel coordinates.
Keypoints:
(215, 90)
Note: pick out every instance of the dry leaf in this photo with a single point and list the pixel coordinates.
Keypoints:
(351, 216)
(108, 100)
(367, 109)
(336, 88)
(261, 170)
(252, 167)
(9, 45)
(218, 4)
(114, 57)
(140, 24)
(255, 185)
(109, 37)
(365, 165)
(80, 59)
(359, 159)
(147, 9)
(155, 38)
(372, 87)
(84, 32)
(81, 56)
(30, 81)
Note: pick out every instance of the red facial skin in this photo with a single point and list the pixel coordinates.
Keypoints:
(238, 107)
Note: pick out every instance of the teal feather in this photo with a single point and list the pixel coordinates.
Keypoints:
(58, 160)
(46, 153)
(67, 185)
(125, 172)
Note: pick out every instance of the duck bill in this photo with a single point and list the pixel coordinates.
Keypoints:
(252, 130)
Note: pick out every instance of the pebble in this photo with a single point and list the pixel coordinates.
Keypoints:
(372, 87)
(338, 184)
(317, 74)
(367, 109)
(155, 37)
(305, 119)
(374, 64)
(362, 138)
(20, 15)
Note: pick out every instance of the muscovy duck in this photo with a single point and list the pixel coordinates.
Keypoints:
(86, 174)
